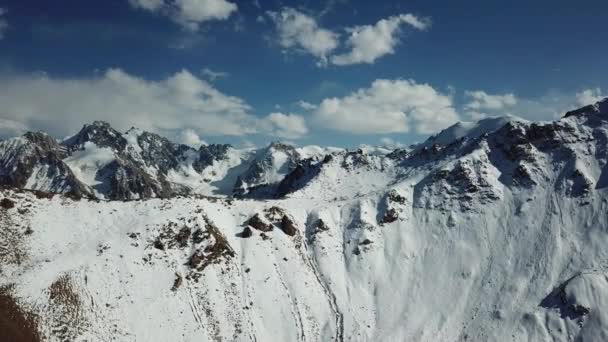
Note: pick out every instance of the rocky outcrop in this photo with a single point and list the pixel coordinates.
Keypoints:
(288, 226)
(208, 154)
(99, 133)
(266, 171)
(257, 222)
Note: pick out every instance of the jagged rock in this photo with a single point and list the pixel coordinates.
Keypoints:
(196, 259)
(177, 283)
(198, 236)
(258, 223)
(466, 182)
(43, 194)
(159, 245)
(208, 154)
(260, 179)
(215, 251)
(394, 197)
(100, 133)
(523, 176)
(287, 226)
(274, 214)
(35, 160)
(246, 233)
(318, 227)
(182, 237)
(390, 216)
(300, 176)
(7, 203)
(366, 242)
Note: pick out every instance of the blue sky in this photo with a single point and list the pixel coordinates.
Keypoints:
(343, 72)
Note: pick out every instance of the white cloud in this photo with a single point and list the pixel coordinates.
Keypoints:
(62, 106)
(214, 75)
(370, 42)
(150, 5)
(191, 138)
(388, 106)
(11, 128)
(476, 116)
(297, 30)
(189, 13)
(288, 126)
(590, 96)
(3, 22)
(391, 143)
(550, 106)
(480, 100)
(306, 105)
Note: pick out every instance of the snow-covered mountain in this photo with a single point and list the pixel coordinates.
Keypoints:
(488, 231)
(100, 162)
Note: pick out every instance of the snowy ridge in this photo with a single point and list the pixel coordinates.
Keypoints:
(490, 235)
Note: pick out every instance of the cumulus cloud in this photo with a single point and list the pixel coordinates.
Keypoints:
(388, 106)
(181, 101)
(188, 13)
(550, 106)
(590, 96)
(369, 42)
(214, 75)
(297, 30)
(3, 22)
(301, 32)
(11, 128)
(288, 126)
(191, 138)
(391, 143)
(480, 100)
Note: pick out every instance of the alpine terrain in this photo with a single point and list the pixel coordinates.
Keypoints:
(488, 231)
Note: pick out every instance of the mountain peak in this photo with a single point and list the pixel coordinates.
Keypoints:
(469, 130)
(281, 146)
(100, 123)
(100, 133)
(600, 107)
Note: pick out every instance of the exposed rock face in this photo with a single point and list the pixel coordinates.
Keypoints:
(390, 216)
(246, 233)
(487, 156)
(267, 170)
(208, 154)
(139, 168)
(288, 226)
(100, 133)
(7, 203)
(467, 182)
(35, 160)
(260, 224)
(317, 228)
(300, 176)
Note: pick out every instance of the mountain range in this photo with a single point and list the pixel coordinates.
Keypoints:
(487, 231)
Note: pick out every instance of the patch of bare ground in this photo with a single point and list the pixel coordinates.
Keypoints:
(11, 239)
(217, 250)
(16, 325)
(65, 314)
